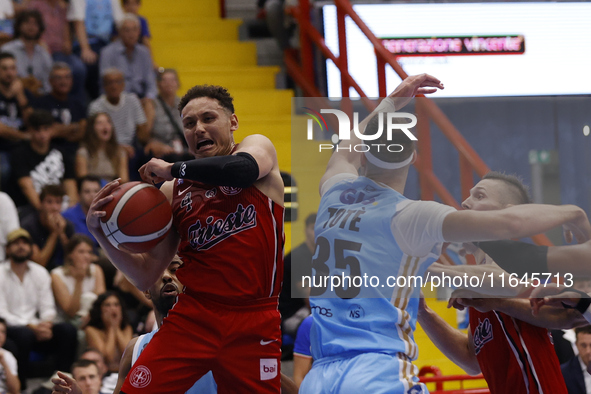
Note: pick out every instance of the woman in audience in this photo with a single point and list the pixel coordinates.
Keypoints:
(108, 329)
(100, 154)
(78, 282)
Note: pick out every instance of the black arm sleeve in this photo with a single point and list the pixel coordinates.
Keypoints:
(517, 257)
(239, 170)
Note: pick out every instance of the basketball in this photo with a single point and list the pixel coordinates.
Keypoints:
(138, 217)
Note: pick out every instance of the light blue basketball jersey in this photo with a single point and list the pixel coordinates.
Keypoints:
(99, 19)
(354, 237)
(205, 385)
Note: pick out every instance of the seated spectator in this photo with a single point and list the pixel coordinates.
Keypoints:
(94, 22)
(168, 139)
(59, 42)
(575, 371)
(133, 7)
(135, 62)
(33, 62)
(6, 23)
(77, 283)
(27, 304)
(86, 374)
(302, 354)
(127, 115)
(88, 188)
(9, 382)
(8, 221)
(38, 163)
(100, 155)
(13, 104)
(109, 380)
(48, 228)
(108, 329)
(68, 111)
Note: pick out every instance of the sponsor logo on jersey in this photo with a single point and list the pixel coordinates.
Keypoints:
(322, 311)
(211, 193)
(482, 334)
(356, 312)
(230, 191)
(140, 377)
(268, 368)
(203, 237)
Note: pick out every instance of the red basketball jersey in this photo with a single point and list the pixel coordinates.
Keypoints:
(231, 241)
(514, 356)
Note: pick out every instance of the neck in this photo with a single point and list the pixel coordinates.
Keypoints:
(168, 98)
(114, 100)
(40, 148)
(19, 269)
(396, 179)
(59, 96)
(5, 89)
(29, 44)
(158, 317)
(311, 245)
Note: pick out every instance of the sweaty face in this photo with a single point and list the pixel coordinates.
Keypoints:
(164, 292)
(208, 127)
(485, 196)
(88, 379)
(61, 81)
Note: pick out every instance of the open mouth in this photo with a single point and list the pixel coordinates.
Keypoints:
(169, 290)
(204, 143)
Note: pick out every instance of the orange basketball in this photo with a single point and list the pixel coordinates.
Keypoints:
(138, 217)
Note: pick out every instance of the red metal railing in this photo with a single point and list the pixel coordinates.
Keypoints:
(303, 74)
(439, 379)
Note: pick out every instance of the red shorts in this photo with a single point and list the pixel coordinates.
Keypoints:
(240, 344)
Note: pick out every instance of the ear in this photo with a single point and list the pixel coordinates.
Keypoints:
(233, 122)
(147, 295)
(414, 153)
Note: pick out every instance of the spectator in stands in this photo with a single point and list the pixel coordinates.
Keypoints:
(94, 22)
(8, 221)
(167, 138)
(13, 104)
(87, 376)
(575, 371)
(100, 155)
(302, 354)
(59, 42)
(68, 111)
(33, 62)
(6, 22)
(27, 304)
(48, 228)
(109, 380)
(108, 329)
(135, 61)
(133, 7)
(38, 163)
(9, 382)
(88, 187)
(77, 283)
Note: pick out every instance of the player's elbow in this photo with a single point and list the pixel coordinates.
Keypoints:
(472, 369)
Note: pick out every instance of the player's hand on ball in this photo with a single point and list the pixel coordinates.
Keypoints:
(95, 212)
(156, 171)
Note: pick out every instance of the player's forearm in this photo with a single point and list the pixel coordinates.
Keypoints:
(43, 256)
(13, 385)
(452, 342)
(548, 317)
(571, 259)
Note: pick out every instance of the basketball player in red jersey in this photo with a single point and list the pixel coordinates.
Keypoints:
(228, 227)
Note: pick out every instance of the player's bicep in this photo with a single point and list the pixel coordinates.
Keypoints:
(262, 150)
(125, 365)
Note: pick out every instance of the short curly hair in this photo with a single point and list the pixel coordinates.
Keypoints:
(219, 93)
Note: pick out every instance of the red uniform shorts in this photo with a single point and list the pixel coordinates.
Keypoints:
(240, 344)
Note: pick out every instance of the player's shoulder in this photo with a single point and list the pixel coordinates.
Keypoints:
(167, 189)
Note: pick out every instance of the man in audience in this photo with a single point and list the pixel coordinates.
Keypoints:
(87, 375)
(575, 371)
(38, 163)
(33, 62)
(28, 306)
(109, 380)
(13, 103)
(127, 114)
(93, 28)
(88, 187)
(49, 230)
(68, 112)
(135, 61)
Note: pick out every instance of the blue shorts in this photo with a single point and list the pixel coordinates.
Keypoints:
(375, 373)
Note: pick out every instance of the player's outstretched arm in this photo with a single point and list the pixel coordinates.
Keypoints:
(456, 345)
(345, 162)
(65, 384)
(125, 365)
(514, 222)
(142, 269)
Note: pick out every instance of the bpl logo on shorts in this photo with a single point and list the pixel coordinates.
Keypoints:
(268, 368)
(140, 377)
